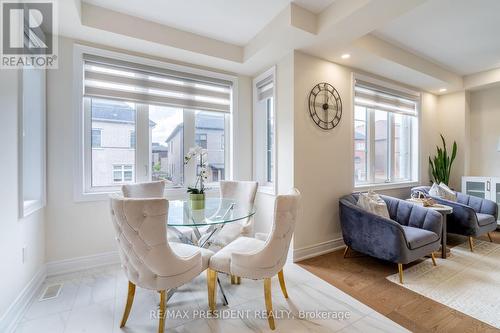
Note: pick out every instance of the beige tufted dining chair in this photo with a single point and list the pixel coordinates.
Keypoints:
(256, 259)
(153, 190)
(144, 190)
(147, 258)
(243, 192)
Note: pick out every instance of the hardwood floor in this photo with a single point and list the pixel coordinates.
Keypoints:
(364, 278)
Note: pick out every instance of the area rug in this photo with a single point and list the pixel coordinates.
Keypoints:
(467, 281)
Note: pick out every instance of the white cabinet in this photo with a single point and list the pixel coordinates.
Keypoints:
(482, 187)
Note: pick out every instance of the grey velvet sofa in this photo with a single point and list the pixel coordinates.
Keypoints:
(411, 233)
(471, 217)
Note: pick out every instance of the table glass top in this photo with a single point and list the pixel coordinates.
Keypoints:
(217, 211)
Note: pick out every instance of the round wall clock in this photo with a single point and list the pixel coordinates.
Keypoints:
(325, 106)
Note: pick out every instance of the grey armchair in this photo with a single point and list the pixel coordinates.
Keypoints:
(471, 217)
(411, 232)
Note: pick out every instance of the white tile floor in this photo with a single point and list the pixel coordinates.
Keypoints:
(93, 301)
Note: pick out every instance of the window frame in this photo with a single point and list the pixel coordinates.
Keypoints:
(82, 168)
(415, 166)
(260, 136)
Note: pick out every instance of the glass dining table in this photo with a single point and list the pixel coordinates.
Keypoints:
(205, 223)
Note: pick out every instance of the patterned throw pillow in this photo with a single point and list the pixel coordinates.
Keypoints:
(447, 193)
(442, 191)
(373, 203)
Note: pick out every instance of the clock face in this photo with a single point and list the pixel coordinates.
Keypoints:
(325, 106)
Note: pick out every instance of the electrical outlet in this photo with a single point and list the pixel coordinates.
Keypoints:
(24, 253)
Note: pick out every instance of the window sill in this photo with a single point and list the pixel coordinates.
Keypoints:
(267, 189)
(169, 193)
(388, 186)
(31, 206)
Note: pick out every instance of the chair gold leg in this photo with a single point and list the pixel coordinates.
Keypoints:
(281, 278)
(128, 306)
(269, 303)
(433, 259)
(346, 250)
(235, 279)
(400, 268)
(471, 244)
(212, 288)
(489, 236)
(161, 314)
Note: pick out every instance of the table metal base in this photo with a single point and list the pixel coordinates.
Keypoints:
(200, 241)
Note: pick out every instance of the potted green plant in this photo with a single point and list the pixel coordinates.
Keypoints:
(197, 192)
(441, 163)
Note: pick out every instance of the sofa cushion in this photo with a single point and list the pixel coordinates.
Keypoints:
(418, 237)
(442, 191)
(373, 203)
(485, 219)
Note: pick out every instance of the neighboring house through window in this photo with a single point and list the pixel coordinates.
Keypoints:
(385, 134)
(96, 137)
(123, 173)
(146, 139)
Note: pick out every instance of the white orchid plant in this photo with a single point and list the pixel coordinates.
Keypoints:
(193, 153)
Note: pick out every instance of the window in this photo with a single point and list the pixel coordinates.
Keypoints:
(123, 173)
(201, 140)
(143, 119)
(116, 120)
(132, 139)
(264, 130)
(209, 131)
(385, 134)
(31, 140)
(96, 137)
(269, 140)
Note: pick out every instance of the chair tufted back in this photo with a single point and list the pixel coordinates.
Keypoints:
(272, 257)
(244, 192)
(144, 190)
(141, 233)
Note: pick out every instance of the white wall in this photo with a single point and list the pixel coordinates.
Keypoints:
(485, 132)
(77, 229)
(323, 160)
(453, 120)
(15, 233)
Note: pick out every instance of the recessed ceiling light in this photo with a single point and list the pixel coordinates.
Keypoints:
(345, 56)
(443, 90)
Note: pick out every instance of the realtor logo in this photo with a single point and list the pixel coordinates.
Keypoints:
(28, 34)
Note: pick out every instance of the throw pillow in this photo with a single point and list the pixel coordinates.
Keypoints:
(373, 203)
(447, 193)
(442, 191)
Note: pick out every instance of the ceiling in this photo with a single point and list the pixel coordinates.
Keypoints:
(461, 35)
(234, 21)
(434, 45)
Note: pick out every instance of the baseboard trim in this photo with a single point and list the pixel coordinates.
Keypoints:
(17, 309)
(82, 263)
(315, 250)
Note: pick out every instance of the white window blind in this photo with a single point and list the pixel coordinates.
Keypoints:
(116, 79)
(265, 88)
(382, 98)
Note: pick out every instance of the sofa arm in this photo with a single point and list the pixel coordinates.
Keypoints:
(463, 218)
(371, 234)
(483, 206)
